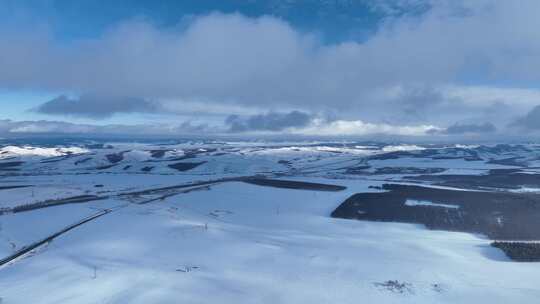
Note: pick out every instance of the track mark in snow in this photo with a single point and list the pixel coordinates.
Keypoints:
(187, 268)
(395, 286)
(412, 203)
(28, 249)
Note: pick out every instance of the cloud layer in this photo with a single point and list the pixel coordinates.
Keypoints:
(268, 122)
(95, 106)
(258, 125)
(10, 127)
(412, 71)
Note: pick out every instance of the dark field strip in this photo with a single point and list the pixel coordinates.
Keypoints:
(520, 251)
(499, 178)
(14, 187)
(114, 158)
(55, 159)
(514, 217)
(82, 161)
(185, 166)
(56, 202)
(89, 198)
(104, 167)
(248, 179)
(158, 153)
(10, 165)
(192, 184)
(498, 215)
(287, 184)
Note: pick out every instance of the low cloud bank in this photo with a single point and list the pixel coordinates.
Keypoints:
(9, 127)
(458, 129)
(96, 106)
(301, 123)
(268, 122)
(279, 124)
(530, 121)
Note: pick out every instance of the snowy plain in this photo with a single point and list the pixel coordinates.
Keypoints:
(234, 242)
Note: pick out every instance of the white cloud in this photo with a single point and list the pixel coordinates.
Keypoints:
(360, 128)
(49, 127)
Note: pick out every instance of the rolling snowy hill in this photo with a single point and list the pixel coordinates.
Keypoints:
(224, 222)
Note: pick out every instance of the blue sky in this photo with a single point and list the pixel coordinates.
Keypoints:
(335, 20)
(310, 67)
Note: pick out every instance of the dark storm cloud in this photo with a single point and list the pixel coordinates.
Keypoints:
(268, 122)
(96, 106)
(470, 128)
(531, 120)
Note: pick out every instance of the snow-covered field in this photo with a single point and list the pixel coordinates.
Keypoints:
(202, 235)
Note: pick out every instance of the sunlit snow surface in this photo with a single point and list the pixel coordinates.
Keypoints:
(413, 203)
(233, 242)
(14, 151)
